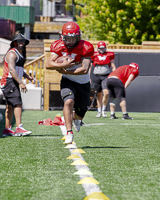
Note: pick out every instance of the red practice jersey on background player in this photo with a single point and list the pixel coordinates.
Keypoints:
(123, 72)
(102, 59)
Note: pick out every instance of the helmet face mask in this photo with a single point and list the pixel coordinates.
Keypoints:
(102, 50)
(101, 46)
(71, 34)
(70, 41)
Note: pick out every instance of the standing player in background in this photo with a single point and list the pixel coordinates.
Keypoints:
(75, 82)
(12, 81)
(117, 82)
(102, 61)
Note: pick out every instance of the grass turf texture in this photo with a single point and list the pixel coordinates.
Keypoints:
(123, 156)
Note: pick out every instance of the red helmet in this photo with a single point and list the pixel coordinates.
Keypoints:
(101, 47)
(135, 65)
(71, 34)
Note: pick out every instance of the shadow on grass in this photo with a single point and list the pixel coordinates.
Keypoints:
(109, 147)
(42, 136)
(45, 135)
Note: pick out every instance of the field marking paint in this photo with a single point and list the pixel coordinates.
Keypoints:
(128, 124)
(45, 137)
(89, 188)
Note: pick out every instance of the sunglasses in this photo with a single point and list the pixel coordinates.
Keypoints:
(23, 41)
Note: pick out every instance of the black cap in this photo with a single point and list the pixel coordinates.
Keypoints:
(19, 36)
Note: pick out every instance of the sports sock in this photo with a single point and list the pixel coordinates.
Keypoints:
(104, 108)
(100, 110)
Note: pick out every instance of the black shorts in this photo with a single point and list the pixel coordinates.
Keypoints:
(80, 93)
(12, 93)
(100, 82)
(116, 88)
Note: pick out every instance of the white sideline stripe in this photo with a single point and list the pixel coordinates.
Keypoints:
(89, 188)
(96, 124)
(45, 137)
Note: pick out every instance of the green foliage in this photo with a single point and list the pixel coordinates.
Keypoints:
(127, 22)
(41, 5)
(68, 5)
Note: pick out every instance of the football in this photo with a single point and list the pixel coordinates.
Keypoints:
(62, 58)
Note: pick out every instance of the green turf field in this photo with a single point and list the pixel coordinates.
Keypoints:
(124, 157)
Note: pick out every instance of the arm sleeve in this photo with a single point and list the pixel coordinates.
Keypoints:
(54, 48)
(88, 49)
(111, 55)
(92, 58)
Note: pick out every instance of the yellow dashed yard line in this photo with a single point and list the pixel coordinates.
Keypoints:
(87, 180)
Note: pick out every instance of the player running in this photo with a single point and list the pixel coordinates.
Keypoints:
(75, 82)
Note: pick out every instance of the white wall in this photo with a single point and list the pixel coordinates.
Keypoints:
(48, 8)
(32, 100)
(23, 2)
(4, 45)
(27, 31)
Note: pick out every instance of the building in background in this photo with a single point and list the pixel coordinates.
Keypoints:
(37, 19)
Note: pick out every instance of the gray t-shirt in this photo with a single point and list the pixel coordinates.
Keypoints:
(102, 69)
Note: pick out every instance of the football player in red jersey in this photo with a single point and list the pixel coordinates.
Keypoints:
(103, 62)
(117, 82)
(75, 82)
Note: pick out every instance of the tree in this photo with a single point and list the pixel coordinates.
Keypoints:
(127, 22)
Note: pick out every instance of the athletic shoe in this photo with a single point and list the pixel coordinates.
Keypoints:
(76, 124)
(82, 123)
(17, 134)
(113, 116)
(99, 114)
(22, 131)
(8, 132)
(125, 116)
(104, 114)
(69, 138)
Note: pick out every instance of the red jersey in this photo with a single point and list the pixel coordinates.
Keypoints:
(123, 73)
(102, 59)
(83, 49)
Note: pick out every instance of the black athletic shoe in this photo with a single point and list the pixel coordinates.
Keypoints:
(82, 123)
(113, 117)
(125, 116)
